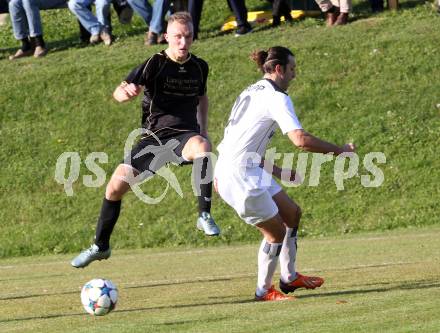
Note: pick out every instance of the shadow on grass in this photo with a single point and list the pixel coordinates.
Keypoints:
(184, 322)
(223, 279)
(33, 278)
(147, 285)
(409, 285)
(143, 309)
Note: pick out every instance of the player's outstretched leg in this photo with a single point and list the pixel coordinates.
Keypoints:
(101, 247)
(111, 207)
(91, 254)
(268, 255)
(291, 280)
(205, 222)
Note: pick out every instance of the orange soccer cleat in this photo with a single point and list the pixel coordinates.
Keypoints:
(273, 295)
(301, 281)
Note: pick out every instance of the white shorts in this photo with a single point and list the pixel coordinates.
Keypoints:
(249, 190)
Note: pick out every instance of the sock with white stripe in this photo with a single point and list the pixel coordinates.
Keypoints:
(204, 200)
(288, 255)
(267, 263)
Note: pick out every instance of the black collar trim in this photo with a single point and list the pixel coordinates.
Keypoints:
(275, 86)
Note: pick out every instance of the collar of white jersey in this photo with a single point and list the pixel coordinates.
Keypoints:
(275, 86)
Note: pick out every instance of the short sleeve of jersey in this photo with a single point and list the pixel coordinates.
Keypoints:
(283, 113)
(142, 73)
(205, 70)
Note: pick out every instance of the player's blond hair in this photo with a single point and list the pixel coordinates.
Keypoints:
(181, 17)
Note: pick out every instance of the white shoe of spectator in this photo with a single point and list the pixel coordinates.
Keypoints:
(21, 54)
(106, 38)
(3, 19)
(95, 39)
(40, 52)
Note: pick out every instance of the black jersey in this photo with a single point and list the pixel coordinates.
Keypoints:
(171, 92)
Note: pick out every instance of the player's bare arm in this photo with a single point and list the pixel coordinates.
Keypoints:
(307, 142)
(202, 115)
(126, 91)
(287, 175)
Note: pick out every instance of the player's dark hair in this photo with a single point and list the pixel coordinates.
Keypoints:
(267, 60)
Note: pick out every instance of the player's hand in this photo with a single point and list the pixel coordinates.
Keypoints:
(295, 178)
(292, 176)
(132, 89)
(349, 148)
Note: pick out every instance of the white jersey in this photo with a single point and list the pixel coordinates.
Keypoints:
(255, 115)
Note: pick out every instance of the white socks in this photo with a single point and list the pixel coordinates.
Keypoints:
(267, 264)
(288, 256)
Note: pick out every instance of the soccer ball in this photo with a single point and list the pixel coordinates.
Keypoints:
(99, 296)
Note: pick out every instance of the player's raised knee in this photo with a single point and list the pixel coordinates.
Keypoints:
(202, 144)
(116, 189)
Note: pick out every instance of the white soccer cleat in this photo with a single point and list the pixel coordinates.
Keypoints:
(207, 224)
(89, 255)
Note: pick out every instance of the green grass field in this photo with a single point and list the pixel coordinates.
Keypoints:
(375, 282)
(373, 82)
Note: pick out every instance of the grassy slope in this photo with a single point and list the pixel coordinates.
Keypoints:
(373, 82)
(386, 282)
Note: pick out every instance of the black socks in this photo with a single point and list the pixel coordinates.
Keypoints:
(38, 41)
(204, 199)
(106, 222)
(26, 44)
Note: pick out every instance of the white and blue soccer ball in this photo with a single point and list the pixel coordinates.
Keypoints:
(99, 296)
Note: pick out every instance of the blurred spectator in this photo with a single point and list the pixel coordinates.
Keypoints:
(195, 8)
(157, 23)
(336, 11)
(143, 8)
(240, 12)
(238, 7)
(124, 11)
(98, 26)
(26, 23)
(4, 7)
(280, 8)
(376, 6)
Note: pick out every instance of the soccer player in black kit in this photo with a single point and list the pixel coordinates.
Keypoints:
(174, 111)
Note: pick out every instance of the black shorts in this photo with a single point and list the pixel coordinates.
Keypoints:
(151, 153)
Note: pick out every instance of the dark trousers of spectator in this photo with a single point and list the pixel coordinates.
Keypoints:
(240, 12)
(4, 6)
(376, 6)
(195, 9)
(237, 6)
(280, 8)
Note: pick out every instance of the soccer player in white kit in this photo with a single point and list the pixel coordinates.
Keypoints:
(244, 180)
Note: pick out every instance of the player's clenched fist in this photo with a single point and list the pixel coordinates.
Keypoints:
(349, 147)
